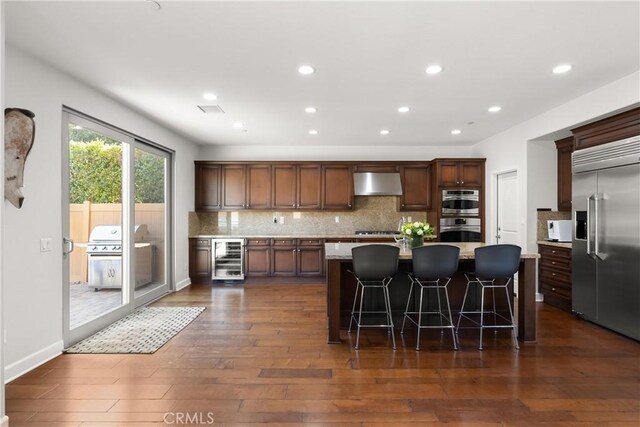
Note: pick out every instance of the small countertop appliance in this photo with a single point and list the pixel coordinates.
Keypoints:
(559, 230)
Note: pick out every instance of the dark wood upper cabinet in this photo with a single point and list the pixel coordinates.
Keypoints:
(448, 174)
(614, 128)
(297, 186)
(381, 168)
(337, 187)
(284, 186)
(565, 148)
(207, 187)
(416, 188)
(309, 187)
(258, 186)
(460, 173)
(234, 187)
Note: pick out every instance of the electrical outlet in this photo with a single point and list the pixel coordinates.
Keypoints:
(275, 219)
(45, 244)
(186, 268)
(337, 219)
(281, 220)
(409, 219)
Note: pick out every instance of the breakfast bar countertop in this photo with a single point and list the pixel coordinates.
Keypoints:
(318, 235)
(556, 244)
(343, 250)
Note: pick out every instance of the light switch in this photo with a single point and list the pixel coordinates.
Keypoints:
(45, 245)
(337, 219)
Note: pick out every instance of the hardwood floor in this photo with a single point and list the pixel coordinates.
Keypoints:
(258, 355)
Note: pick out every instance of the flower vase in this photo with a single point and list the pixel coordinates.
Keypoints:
(416, 241)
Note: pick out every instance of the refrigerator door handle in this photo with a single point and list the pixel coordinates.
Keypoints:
(597, 198)
(589, 225)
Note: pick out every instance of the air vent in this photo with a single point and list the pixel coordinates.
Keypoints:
(211, 109)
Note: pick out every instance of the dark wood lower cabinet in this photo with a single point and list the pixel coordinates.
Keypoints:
(257, 260)
(199, 259)
(283, 260)
(311, 261)
(554, 276)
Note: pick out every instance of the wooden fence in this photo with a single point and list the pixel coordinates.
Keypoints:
(83, 217)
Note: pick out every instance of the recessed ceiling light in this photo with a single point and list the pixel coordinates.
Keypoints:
(456, 132)
(404, 109)
(563, 68)
(310, 110)
(313, 132)
(306, 69)
(495, 109)
(384, 132)
(238, 125)
(210, 96)
(433, 69)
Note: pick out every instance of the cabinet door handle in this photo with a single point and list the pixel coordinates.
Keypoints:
(553, 289)
(553, 252)
(293, 205)
(462, 182)
(553, 263)
(553, 274)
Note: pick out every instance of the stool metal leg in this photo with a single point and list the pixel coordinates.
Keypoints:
(453, 332)
(353, 309)
(360, 318)
(439, 305)
(464, 300)
(481, 315)
(389, 315)
(404, 318)
(515, 335)
(419, 318)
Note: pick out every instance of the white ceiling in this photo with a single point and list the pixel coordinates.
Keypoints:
(370, 59)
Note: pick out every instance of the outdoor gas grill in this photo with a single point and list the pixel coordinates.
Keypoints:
(104, 252)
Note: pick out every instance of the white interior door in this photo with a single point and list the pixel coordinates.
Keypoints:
(507, 231)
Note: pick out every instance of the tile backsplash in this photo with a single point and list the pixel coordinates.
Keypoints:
(370, 213)
(544, 216)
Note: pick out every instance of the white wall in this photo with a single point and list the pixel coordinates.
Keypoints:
(3, 419)
(329, 152)
(33, 280)
(509, 149)
(542, 175)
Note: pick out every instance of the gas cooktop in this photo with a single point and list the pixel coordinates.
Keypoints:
(376, 232)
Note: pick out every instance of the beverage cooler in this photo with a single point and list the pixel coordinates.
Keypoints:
(227, 259)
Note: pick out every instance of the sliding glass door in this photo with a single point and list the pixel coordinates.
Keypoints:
(116, 225)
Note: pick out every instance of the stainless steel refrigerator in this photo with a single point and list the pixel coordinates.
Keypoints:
(606, 235)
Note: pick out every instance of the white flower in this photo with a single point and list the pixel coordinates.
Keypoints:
(416, 224)
(408, 232)
(420, 232)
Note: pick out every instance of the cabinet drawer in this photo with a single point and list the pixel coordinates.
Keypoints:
(283, 242)
(561, 278)
(556, 263)
(561, 291)
(340, 240)
(310, 242)
(202, 242)
(555, 252)
(258, 242)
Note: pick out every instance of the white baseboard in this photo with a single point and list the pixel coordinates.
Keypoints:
(4, 422)
(32, 361)
(539, 297)
(183, 284)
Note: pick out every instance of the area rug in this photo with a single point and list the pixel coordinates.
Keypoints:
(142, 332)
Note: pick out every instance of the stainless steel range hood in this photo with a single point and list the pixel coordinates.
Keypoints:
(377, 184)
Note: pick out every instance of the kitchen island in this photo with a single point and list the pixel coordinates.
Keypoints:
(340, 286)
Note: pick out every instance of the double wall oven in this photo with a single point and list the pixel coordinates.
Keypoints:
(460, 216)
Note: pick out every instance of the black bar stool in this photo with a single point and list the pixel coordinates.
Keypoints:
(433, 267)
(492, 263)
(374, 267)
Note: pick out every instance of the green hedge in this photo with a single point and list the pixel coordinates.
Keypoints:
(96, 173)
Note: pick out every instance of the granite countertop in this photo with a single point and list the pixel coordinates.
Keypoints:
(319, 235)
(556, 244)
(343, 250)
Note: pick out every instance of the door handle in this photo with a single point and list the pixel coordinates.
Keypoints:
(596, 252)
(67, 246)
(589, 225)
